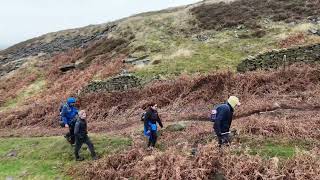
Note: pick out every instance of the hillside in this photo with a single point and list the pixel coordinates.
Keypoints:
(185, 59)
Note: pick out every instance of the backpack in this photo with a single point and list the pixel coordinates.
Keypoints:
(143, 116)
(61, 123)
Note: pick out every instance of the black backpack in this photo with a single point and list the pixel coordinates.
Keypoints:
(143, 116)
(61, 123)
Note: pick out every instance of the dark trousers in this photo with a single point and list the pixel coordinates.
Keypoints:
(223, 139)
(79, 142)
(152, 139)
(70, 135)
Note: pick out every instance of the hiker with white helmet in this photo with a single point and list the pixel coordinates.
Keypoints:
(222, 116)
(81, 136)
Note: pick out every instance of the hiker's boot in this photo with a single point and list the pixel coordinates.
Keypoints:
(79, 159)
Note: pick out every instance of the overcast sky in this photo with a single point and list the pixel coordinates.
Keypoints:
(24, 19)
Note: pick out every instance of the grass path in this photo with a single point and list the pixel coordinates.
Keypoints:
(48, 157)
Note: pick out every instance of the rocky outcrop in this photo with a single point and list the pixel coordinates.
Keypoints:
(143, 60)
(67, 67)
(8, 66)
(314, 31)
(277, 58)
(121, 82)
(13, 57)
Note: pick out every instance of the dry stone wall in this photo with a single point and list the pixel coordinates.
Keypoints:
(277, 58)
(118, 83)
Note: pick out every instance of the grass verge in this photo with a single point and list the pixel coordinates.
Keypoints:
(48, 157)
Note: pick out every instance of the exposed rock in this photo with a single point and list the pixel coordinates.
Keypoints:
(313, 19)
(241, 26)
(12, 153)
(13, 57)
(143, 60)
(314, 31)
(7, 66)
(194, 151)
(202, 37)
(67, 67)
(176, 127)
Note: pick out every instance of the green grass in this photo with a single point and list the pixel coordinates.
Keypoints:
(268, 148)
(206, 57)
(48, 157)
(274, 150)
(223, 51)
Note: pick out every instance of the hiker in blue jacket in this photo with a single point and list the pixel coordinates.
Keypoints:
(68, 115)
(150, 124)
(223, 119)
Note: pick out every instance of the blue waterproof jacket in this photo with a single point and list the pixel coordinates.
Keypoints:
(69, 112)
(223, 118)
(150, 121)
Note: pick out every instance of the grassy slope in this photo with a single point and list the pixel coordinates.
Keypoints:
(162, 37)
(224, 50)
(48, 157)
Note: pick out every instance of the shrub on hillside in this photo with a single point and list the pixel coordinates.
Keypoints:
(250, 12)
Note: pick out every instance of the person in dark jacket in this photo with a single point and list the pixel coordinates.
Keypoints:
(81, 136)
(223, 119)
(68, 115)
(150, 124)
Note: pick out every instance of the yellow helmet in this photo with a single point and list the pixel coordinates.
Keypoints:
(233, 101)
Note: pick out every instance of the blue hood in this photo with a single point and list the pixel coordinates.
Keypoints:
(71, 100)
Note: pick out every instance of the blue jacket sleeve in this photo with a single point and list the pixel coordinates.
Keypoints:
(218, 122)
(64, 115)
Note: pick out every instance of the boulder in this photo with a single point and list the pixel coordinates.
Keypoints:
(67, 67)
(12, 153)
(314, 31)
(176, 127)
